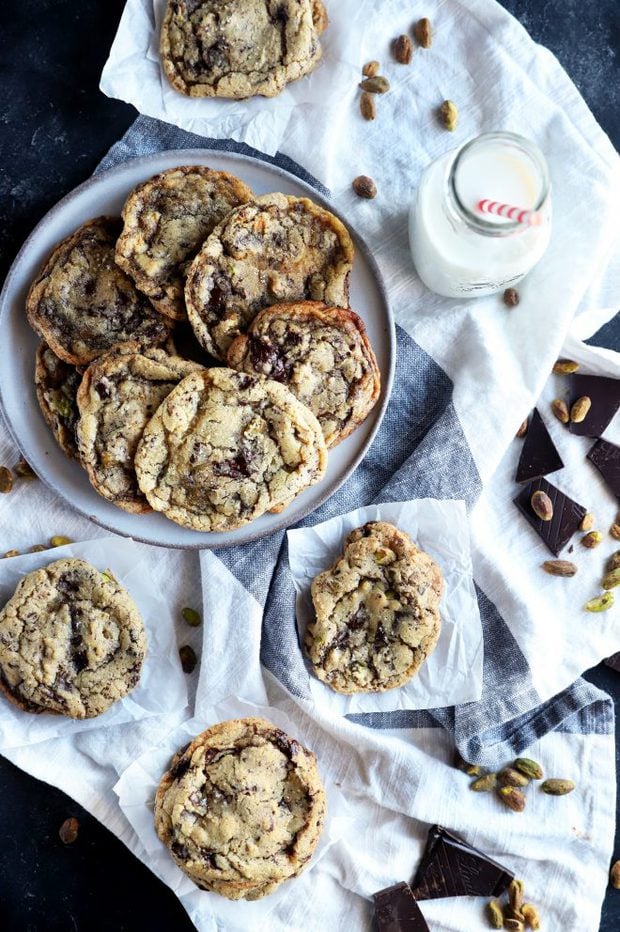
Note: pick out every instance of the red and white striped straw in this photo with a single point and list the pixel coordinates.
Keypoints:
(532, 218)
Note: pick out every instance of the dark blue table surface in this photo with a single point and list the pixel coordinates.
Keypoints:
(54, 127)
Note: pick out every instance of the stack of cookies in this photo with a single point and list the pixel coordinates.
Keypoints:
(280, 368)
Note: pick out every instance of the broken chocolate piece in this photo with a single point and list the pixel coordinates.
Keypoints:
(539, 455)
(614, 662)
(567, 515)
(397, 911)
(606, 457)
(451, 867)
(604, 394)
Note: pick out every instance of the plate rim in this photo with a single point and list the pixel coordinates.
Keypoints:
(185, 156)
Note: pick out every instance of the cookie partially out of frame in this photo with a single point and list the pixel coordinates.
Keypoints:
(239, 48)
(83, 304)
(72, 641)
(276, 249)
(56, 383)
(241, 808)
(118, 395)
(377, 612)
(322, 354)
(166, 221)
(225, 447)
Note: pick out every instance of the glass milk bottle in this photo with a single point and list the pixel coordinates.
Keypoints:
(465, 239)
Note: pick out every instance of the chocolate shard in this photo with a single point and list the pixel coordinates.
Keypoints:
(539, 455)
(606, 457)
(567, 515)
(397, 911)
(604, 393)
(614, 662)
(451, 867)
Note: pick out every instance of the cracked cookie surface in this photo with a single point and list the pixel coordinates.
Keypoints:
(276, 249)
(166, 221)
(241, 808)
(225, 48)
(72, 641)
(83, 304)
(56, 383)
(225, 447)
(118, 395)
(377, 612)
(322, 354)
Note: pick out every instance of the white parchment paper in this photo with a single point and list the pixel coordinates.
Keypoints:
(136, 790)
(162, 688)
(453, 672)
(133, 73)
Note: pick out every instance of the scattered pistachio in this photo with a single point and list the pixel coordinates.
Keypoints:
(614, 561)
(370, 69)
(423, 32)
(560, 409)
(368, 108)
(529, 767)
(188, 658)
(587, 522)
(62, 406)
(565, 366)
(522, 430)
(601, 603)
(37, 548)
(512, 797)
(191, 616)
(530, 914)
(375, 85)
(580, 409)
(6, 479)
(484, 784)
(68, 831)
(612, 579)
(614, 530)
(59, 541)
(555, 787)
(515, 894)
(614, 875)
(403, 50)
(449, 115)
(542, 506)
(11, 553)
(364, 187)
(511, 297)
(24, 470)
(592, 539)
(511, 777)
(107, 574)
(495, 915)
(472, 770)
(559, 567)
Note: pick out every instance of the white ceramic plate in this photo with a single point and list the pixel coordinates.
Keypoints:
(105, 194)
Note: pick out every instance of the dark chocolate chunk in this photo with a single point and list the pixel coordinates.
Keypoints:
(451, 867)
(397, 911)
(539, 455)
(614, 662)
(567, 515)
(604, 394)
(606, 457)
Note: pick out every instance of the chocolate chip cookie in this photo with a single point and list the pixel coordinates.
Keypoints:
(72, 641)
(377, 612)
(322, 354)
(119, 394)
(225, 447)
(166, 221)
(224, 48)
(82, 303)
(277, 249)
(56, 383)
(241, 808)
